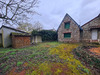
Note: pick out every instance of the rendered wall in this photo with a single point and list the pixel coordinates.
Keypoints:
(0, 40)
(36, 39)
(6, 36)
(0, 30)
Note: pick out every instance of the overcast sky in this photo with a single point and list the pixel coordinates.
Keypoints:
(53, 11)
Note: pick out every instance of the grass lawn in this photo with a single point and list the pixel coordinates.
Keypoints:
(49, 58)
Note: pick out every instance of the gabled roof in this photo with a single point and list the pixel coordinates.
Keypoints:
(72, 19)
(13, 29)
(20, 34)
(91, 20)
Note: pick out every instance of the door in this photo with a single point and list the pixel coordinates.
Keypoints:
(94, 35)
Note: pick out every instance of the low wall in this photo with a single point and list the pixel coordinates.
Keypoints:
(20, 41)
(36, 39)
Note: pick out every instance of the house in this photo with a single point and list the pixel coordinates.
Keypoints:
(16, 40)
(91, 30)
(70, 31)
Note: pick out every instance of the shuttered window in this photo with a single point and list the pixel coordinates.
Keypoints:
(67, 35)
(67, 25)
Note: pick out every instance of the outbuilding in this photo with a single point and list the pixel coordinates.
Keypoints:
(7, 38)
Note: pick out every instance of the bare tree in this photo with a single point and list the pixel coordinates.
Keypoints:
(12, 11)
(28, 27)
(38, 26)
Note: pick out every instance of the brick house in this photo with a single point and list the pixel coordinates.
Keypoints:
(70, 31)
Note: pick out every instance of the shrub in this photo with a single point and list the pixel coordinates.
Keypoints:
(47, 35)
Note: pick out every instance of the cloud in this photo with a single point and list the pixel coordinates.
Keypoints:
(88, 10)
(53, 11)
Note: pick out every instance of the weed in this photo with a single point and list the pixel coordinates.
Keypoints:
(87, 58)
(49, 58)
(64, 52)
(2, 65)
(2, 60)
(6, 68)
(86, 70)
(1, 55)
(19, 63)
(12, 53)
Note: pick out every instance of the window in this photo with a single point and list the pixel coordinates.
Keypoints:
(67, 35)
(67, 25)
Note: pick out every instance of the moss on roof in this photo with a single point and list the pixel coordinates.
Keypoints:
(20, 34)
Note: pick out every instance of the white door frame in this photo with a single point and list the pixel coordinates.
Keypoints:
(94, 34)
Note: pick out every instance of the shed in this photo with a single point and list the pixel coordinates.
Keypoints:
(5, 38)
(20, 40)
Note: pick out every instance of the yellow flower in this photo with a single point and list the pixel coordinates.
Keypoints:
(64, 52)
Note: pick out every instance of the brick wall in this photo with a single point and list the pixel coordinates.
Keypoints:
(20, 41)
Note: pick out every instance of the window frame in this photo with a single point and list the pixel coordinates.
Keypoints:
(67, 35)
(66, 24)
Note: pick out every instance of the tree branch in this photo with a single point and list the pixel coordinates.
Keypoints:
(13, 10)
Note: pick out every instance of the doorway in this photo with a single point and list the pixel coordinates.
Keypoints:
(94, 34)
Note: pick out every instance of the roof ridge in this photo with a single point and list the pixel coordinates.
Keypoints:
(72, 19)
(90, 20)
(13, 29)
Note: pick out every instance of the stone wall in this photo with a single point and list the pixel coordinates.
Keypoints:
(20, 41)
(87, 33)
(74, 30)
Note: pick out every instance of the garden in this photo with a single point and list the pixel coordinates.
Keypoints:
(50, 58)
